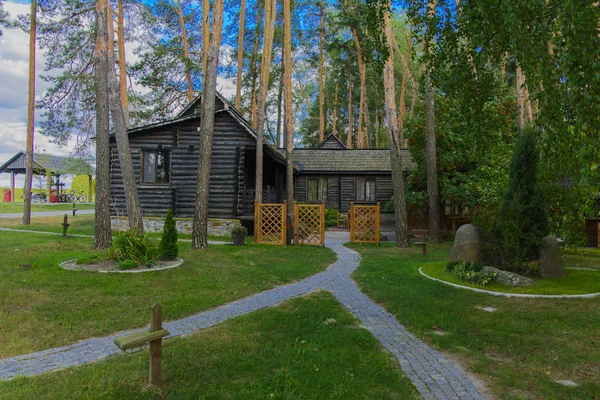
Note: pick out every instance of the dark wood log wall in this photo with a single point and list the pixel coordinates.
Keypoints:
(340, 189)
(227, 181)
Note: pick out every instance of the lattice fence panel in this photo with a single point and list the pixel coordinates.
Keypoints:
(309, 226)
(269, 220)
(364, 224)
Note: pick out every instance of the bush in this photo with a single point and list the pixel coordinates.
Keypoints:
(471, 272)
(167, 247)
(240, 230)
(521, 222)
(331, 216)
(127, 264)
(131, 246)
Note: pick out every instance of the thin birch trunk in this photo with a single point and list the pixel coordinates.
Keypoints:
(238, 85)
(102, 228)
(289, 118)
(122, 63)
(270, 10)
(30, 117)
(207, 125)
(520, 81)
(186, 52)
(391, 122)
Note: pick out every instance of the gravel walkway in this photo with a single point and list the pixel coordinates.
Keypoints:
(433, 375)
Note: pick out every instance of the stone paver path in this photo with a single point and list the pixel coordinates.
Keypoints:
(433, 375)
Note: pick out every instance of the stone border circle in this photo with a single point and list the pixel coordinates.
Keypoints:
(178, 262)
(525, 295)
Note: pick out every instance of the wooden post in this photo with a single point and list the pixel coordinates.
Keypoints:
(351, 221)
(12, 187)
(256, 223)
(156, 346)
(377, 227)
(295, 223)
(90, 181)
(283, 222)
(65, 225)
(323, 223)
(48, 186)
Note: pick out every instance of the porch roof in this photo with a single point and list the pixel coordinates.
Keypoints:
(348, 161)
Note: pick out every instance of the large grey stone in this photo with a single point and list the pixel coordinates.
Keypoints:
(469, 244)
(550, 265)
(509, 278)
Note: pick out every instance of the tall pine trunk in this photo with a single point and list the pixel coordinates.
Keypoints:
(288, 109)
(30, 118)
(122, 63)
(240, 55)
(205, 35)
(350, 138)
(433, 192)
(262, 92)
(321, 75)
(391, 122)
(363, 91)
(134, 210)
(207, 125)
(335, 110)
(405, 74)
(254, 66)
(102, 229)
(186, 52)
(280, 96)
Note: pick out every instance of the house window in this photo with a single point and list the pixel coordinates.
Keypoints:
(317, 189)
(156, 167)
(364, 189)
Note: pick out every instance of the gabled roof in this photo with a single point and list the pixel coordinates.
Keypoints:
(332, 142)
(43, 163)
(347, 161)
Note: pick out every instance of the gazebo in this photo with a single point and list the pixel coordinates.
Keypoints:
(50, 166)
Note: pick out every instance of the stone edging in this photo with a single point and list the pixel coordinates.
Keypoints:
(177, 264)
(531, 296)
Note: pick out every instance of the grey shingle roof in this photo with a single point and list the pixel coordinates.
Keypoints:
(47, 162)
(344, 161)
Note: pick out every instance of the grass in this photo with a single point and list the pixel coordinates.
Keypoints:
(584, 259)
(519, 350)
(79, 224)
(45, 306)
(284, 352)
(8, 208)
(576, 281)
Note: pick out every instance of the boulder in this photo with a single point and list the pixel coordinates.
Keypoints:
(469, 244)
(509, 278)
(550, 265)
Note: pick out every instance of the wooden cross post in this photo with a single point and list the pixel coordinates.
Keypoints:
(156, 346)
(65, 225)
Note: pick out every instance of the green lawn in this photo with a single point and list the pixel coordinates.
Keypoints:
(576, 281)
(7, 208)
(519, 350)
(582, 259)
(284, 352)
(46, 306)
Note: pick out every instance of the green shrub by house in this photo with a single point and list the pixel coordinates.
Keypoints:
(130, 245)
(167, 248)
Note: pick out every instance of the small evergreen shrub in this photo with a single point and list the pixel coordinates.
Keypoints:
(239, 229)
(167, 247)
(471, 272)
(331, 216)
(130, 245)
(127, 264)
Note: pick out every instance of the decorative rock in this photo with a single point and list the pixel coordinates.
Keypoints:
(468, 244)
(550, 266)
(509, 278)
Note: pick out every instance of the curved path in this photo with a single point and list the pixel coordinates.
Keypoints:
(433, 375)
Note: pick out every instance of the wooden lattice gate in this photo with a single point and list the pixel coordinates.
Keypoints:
(309, 224)
(364, 224)
(270, 223)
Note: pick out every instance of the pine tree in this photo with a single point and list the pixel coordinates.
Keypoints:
(167, 248)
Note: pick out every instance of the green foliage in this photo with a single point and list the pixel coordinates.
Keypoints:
(81, 184)
(521, 222)
(240, 229)
(471, 272)
(167, 247)
(130, 245)
(127, 264)
(87, 260)
(331, 216)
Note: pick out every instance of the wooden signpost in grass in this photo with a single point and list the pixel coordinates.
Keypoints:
(137, 341)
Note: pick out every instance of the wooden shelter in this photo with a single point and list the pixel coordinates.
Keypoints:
(50, 166)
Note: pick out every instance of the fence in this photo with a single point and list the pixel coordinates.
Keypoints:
(270, 223)
(309, 224)
(364, 224)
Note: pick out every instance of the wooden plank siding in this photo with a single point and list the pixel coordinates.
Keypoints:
(340, 189)
(226, 180)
